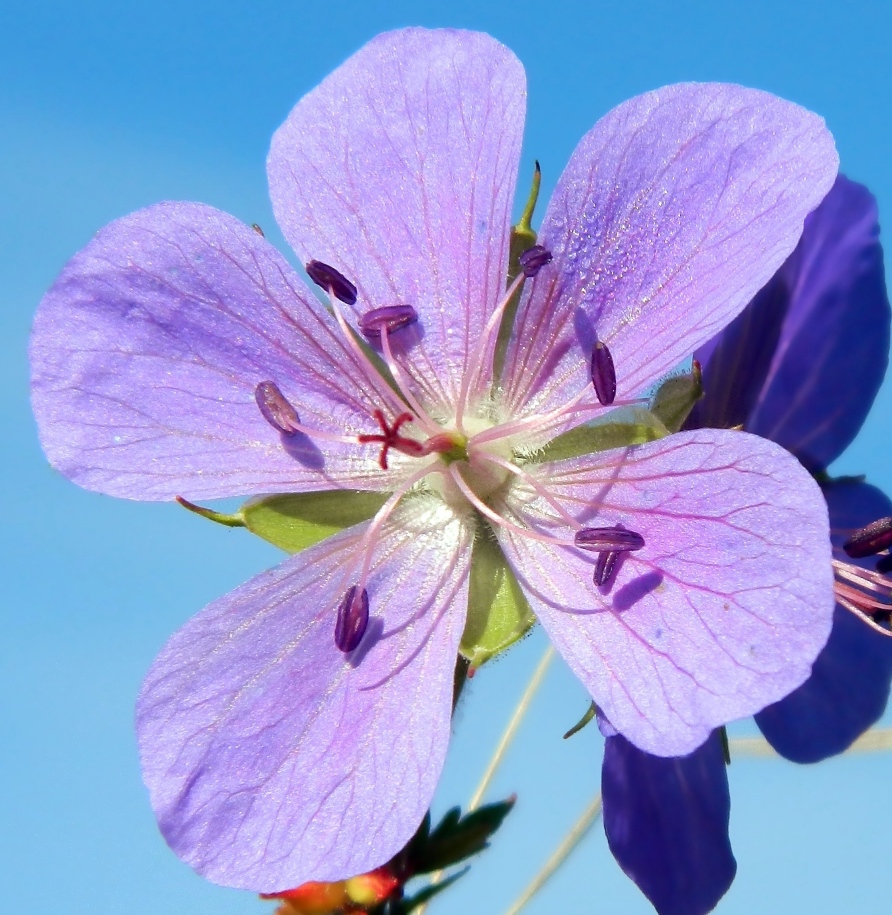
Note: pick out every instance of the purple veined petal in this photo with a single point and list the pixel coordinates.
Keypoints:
(674, 210)
(399, 170)
(849, 685)
(147, 353)
(802, 364)
(666, 822)
(271, 757)
(721, 613)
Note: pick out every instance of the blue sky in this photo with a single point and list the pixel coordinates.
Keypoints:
(106, 107)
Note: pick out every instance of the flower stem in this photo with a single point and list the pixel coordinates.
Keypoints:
(876, 740)
(507, 737)
(577, 833)
(511, 730)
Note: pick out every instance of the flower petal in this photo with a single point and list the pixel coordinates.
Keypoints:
(674, 210)
(147, 351)
(850, 681)
(802, 364)
(399, 170)
(667, 824)
(720, 613)
(271, 757)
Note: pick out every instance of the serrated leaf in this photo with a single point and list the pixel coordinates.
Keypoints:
(498, 612)
(637, 427)
(456, 838)
(296, 521)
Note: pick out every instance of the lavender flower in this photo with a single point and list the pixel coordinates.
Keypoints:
(800, 365)
(179, 355)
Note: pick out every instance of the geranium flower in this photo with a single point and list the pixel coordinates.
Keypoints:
(295, 729)
(801, 365)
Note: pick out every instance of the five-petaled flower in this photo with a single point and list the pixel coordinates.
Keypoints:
(295, 729)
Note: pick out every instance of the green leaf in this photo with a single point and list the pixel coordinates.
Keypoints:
(498, 612)
(676, 398)
(428, 892)
(637, 427)
(458, 837)
(295, 521)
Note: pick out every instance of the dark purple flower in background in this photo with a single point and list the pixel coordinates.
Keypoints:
(295, 729)
(801, 365)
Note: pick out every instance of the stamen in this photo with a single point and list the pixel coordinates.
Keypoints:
(884, 566)
(475, 363)
(603, 374)
(865, 593)
(282, 416)
(400, 378)
(870, 540)
(390, 318)
(366, 546)
(534, 259)
(484, 509)
(608, 539)
(332, 281)
(390, 438)
(276, 409)
(604, 567)
(533, 483)
(540, 424)
(882, 630)
(352, 619)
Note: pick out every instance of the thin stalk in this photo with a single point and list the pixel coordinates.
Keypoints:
(511, 730)
(578, 832)
(508, 735)
(877, 740)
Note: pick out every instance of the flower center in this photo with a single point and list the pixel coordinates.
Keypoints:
(470, 462)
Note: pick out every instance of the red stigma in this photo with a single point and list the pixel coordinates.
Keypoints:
(390, 438)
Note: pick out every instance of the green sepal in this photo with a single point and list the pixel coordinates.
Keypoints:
(223, 518)
(640, 427)
(498, 612)
(523, 237)
(676, 397)
(296, 521)
(590, 713)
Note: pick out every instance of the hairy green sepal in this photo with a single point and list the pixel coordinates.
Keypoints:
(638, 427)
(498, 613)
(295, 521)
(523, 237)
(676, 397)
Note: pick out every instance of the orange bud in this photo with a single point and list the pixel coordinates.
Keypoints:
(312, 899)
(368, 889)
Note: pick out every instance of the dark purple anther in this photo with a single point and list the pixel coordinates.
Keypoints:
(332, 281)
(874, 538)
(534, 259)
(608, 539)
(276, 410)
(884, 565)
(389, 318)
(603, 374)
(353, 618)
(604, 567)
